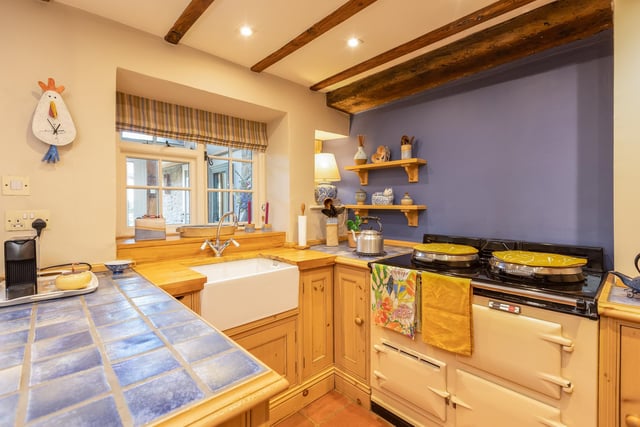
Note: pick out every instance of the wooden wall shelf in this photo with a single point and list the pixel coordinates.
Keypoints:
(410, 166)
(409, 211)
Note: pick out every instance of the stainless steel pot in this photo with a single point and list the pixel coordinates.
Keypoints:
(370, 242)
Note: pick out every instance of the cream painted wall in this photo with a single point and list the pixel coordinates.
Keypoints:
(626, 130)
(83, 53)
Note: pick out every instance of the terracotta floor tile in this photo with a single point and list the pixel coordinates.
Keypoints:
(355, 416)
(326, 406)
(333, 410)
(295, 420)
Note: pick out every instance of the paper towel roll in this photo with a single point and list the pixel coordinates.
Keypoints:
(302, 230)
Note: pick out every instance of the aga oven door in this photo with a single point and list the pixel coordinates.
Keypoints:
(522, 349)
(417, 380)
(481, 403)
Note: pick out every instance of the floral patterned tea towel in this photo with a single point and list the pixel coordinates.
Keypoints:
(393, 298)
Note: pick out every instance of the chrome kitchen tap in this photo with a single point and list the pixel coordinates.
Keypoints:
(217, 248)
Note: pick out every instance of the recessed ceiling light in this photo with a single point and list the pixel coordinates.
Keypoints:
(246, 30)
(353, 42)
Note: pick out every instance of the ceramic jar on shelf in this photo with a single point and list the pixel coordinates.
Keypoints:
(406, 199)
(361, 157)
(361, 196)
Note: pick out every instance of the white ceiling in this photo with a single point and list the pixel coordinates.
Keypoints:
(382, 26)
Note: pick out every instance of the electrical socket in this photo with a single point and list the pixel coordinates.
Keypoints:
(20, 220)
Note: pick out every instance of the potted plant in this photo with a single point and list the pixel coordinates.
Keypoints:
(353, 227)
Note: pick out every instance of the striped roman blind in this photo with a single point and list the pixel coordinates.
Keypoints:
(138, 114)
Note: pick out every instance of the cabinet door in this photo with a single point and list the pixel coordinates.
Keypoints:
(317, 320)
(274, 344)
(629, 376)
(351, 305)
(191, 300)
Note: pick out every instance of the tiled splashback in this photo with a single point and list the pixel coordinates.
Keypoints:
(125, 355)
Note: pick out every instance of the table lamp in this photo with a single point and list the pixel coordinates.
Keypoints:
(326, 172)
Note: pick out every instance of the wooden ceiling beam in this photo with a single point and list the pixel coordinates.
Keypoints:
(189, 16)
(338, 16)
(471, 20)
(549, 26)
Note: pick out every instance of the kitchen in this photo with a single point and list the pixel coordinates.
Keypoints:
(83, 220)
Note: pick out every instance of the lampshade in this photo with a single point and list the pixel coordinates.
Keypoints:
(326, 169)
(326, 172)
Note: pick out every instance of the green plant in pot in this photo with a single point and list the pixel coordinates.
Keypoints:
(353, 226)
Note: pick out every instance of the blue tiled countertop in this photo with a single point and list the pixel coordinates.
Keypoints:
(127, 354)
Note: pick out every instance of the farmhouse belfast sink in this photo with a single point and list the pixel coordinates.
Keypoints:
(239, 292)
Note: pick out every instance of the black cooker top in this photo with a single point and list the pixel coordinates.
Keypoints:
(578, 294)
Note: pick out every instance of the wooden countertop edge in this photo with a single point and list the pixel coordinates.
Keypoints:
(352, 262)
(177, 278)
(128, 242)
(228, 405)
(616, 310)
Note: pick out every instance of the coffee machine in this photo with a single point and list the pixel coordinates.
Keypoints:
(20, 267)
(20, 263)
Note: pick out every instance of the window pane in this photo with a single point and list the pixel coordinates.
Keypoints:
(217, 205)
(175, 143)
(175, 206)
(242, 173)
(217, 150)
(142, 171)
(175, 174)
(136, 137)
(218, 174)
(141, 202)
(241, 204)
(143, 138)
(238, 153)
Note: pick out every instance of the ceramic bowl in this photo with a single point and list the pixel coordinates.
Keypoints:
(117, 267)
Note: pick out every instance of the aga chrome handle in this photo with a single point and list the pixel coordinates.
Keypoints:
(459, 402)
(566, 384)
(632, 420)
(378, 348)
(566, 343)
(379, 375)
(358, 321)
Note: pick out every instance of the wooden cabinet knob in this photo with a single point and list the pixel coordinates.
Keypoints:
(632, 420)
(358, 321)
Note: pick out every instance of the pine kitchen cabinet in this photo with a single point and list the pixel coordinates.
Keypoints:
(314, 336)
(273, 341)
(317, 320)
(351, 329)
(619, 394)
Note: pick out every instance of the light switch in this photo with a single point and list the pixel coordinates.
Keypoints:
(15, 185)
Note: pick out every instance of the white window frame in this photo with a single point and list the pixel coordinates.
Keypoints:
(198, 179)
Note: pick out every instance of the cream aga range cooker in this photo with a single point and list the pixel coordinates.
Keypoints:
(535, 343)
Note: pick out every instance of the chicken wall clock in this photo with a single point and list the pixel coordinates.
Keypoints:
(52, 122)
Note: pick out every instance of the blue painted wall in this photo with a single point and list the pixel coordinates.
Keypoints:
(521, 152)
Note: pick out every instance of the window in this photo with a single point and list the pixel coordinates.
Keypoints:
(148, 195)
(184, 182)
(229, 182)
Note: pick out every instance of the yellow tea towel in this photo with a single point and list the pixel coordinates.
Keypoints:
(393, 298)
(446, 312)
